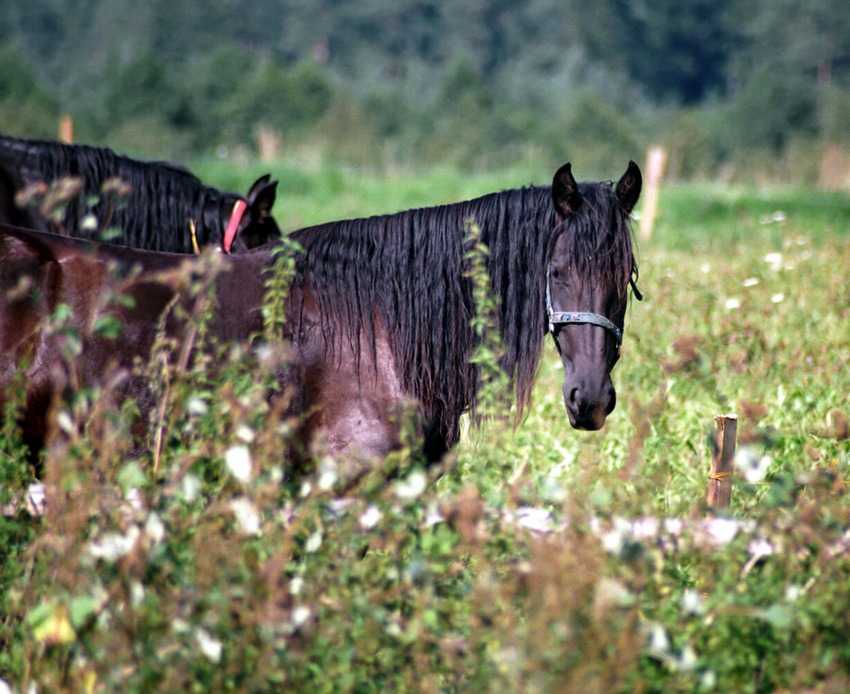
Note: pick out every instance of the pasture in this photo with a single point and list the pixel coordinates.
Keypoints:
(531, 561)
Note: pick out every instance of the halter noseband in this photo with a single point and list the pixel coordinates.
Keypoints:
(563, 317)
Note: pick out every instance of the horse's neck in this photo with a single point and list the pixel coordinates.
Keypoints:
(21, 162)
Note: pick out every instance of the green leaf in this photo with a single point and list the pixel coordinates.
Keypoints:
(778, 616)
(82, 608)
(131, 476)
(108, 327)
(50, 624)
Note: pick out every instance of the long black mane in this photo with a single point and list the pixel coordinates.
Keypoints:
(164, 197)
(410, 272)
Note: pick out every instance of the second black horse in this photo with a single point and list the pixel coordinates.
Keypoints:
(166, 207)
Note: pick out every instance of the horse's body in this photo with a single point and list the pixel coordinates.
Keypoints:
(167, 209)
(378, 316)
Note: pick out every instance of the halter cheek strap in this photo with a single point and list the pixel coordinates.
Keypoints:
(562, 317)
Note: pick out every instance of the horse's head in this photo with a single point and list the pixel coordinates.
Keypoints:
(590, 267)
(251, 223)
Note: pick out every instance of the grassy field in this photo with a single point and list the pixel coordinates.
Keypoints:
(231, 581)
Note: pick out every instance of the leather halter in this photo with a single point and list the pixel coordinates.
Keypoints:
(562, 317)
(239, 208)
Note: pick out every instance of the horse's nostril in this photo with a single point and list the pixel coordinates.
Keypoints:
(573, 399)
(612, 401)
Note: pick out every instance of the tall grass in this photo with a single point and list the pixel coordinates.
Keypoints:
(224, 570)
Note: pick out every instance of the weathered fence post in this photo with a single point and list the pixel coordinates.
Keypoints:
(656, 159)
(66, 129)
(722, 462)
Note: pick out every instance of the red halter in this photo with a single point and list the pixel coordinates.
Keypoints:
(239, 208)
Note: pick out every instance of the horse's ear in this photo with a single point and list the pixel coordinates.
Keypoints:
(565, 194)
(257, 186)
(262, 195)
(628, 187)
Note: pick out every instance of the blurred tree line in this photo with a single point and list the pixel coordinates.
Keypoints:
(471, 82)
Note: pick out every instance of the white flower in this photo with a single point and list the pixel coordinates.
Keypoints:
(774, 260)
(613, 541)
(370, 518)
(674, 526)
(434, 517)
(197, 406)
(793, 593)
(760, 548)
(646, 528)
(754, 467)
(338, 507)
(732, 304)
(66, 424)
(154, 528)
(137, 594)
(245, 433)
(314, 542)
(692, 602)
(247, 517)
(134, 499)
(413, 486)
(327, 474)
(300, 615)
(777, 298)
(751, 281)
(190, 486)
(657, 642)
(210, 646)
(536, 519)
(113, 546)
(296, 585)
(89, 223)
(722, 530)
(238, 462)
(688, 659)
(776, 218)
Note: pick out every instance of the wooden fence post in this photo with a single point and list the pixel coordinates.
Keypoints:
(722, 462)
(66, 129)
(656, 159)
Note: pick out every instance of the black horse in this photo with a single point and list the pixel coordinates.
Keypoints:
(377, 317)
(167, 208)
(396, 289)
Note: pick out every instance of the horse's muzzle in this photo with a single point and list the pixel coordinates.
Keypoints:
(588, 410)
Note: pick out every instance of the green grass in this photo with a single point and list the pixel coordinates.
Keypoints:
(266, 583)
(323, 192)
(705, 218)
(691, 217)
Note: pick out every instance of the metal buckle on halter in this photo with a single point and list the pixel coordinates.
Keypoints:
(563, 317)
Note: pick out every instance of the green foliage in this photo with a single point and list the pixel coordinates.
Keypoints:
(287, 99)
(729, 86)
(24, 104)
(277, 285)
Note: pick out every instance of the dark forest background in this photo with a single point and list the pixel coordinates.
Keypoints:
(732, 88)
